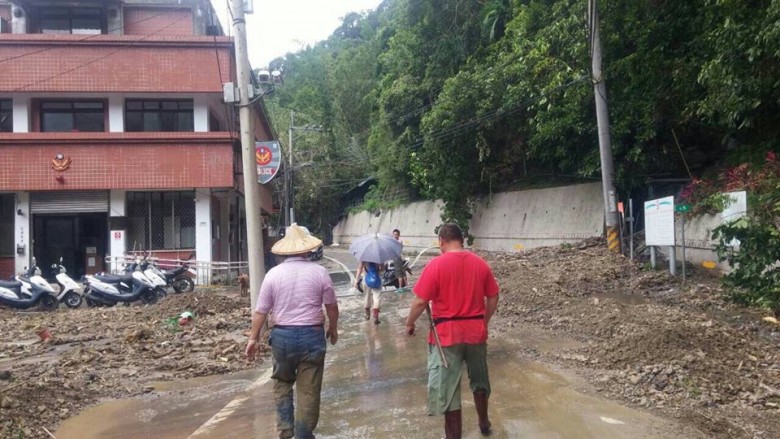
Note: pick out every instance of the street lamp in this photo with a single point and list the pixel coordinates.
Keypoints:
(290, 212)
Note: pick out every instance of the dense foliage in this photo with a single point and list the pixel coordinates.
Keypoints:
(755, 275)
(452, 99)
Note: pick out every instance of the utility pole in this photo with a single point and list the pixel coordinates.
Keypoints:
(605, 146)
(254, 225)
(291, 195)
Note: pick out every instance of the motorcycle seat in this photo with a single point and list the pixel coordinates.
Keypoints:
(175, 271)
(114, 279)
(10, 284)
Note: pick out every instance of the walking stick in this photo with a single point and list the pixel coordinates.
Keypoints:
(436, 337)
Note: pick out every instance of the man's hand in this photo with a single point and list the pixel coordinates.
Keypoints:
(251, 350)
(410, 329)
(333, 335)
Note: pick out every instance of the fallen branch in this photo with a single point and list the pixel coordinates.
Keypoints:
(49, 433)
(15, 385)
(771, 390)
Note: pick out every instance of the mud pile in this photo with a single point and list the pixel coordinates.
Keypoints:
(647, 339)
(112, 352)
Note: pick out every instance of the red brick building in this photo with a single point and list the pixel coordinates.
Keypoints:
(114, 135)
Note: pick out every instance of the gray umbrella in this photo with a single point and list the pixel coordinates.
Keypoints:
(376, 247)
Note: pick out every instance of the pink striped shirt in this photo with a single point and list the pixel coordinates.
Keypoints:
(295, 292)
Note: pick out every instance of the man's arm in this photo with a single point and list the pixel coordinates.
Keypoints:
(491, 304)
(333, 322)
(416, 310)
(258, 324)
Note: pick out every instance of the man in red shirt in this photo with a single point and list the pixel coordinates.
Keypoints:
(464, 294)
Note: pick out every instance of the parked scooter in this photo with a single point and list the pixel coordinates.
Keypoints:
(70, 290)
(177, 278)
(154, 274)
(32, 276)
(11, 294)
(108, 290)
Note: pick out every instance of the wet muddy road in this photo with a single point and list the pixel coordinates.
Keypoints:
(374, 387)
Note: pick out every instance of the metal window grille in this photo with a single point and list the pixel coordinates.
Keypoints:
(7, 206)
(161, 220)
(6, 116)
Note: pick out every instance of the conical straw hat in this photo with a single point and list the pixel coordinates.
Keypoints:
(295, 242)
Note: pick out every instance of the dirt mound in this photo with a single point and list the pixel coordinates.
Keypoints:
(112, 352)
(647, 338)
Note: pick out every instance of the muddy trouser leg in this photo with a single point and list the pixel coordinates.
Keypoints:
(283, 348)
(444, 383)
(376, 292)
(476, 364)
(308, 386)
(367, 291)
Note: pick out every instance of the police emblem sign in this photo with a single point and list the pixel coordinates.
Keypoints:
(268, 156)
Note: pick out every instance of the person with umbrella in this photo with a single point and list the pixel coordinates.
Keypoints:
(296, 291)
(372, 251)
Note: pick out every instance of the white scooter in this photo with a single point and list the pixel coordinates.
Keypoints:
(33, 276)
(70, 291)
(154, 274)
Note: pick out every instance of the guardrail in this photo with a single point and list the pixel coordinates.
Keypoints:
(204, 272)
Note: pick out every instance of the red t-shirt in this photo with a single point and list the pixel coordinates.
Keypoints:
(457, 283)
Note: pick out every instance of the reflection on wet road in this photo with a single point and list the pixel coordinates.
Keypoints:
(375, 384)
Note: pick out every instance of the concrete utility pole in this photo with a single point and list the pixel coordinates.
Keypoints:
(605, 145)
(254, 224)
(291, 194)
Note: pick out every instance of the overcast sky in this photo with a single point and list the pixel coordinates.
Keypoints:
(281, 26)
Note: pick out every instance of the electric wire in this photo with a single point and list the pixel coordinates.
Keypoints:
(100, 58)
(70, 43)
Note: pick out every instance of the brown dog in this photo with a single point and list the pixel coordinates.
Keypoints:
(243, 281)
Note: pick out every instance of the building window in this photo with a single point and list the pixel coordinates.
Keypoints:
(147, 115)
(161, 220)
(6, 116)
(7, 208)
(76, 20)
(88, 116)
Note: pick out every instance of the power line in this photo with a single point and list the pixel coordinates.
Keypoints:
(98, 58)
(468, 125)
(124, 25)
(228, 119)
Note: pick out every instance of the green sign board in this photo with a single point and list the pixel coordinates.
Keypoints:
(682, 208)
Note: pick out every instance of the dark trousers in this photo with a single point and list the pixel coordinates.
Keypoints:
(299, 360)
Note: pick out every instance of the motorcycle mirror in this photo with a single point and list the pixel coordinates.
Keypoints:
(60, 259)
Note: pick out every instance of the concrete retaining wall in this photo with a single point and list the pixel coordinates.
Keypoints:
(513, 221)
(416, 221)
(509, 221)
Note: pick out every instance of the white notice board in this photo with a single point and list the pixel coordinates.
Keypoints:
(736, 208)
(659, 222)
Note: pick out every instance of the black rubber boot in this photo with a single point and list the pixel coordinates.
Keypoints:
(481, 401)
(453, 425)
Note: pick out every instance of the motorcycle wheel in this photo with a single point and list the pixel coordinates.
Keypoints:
(48, 303)
(72, 300)
(161, 293)
(183, 284)
(91, 303)
(149, 297)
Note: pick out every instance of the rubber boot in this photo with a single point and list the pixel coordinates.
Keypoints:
(368, 313)
(481, 401)
(376, 317)
(453, 425)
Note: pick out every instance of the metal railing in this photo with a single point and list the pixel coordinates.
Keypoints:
(203, 272)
